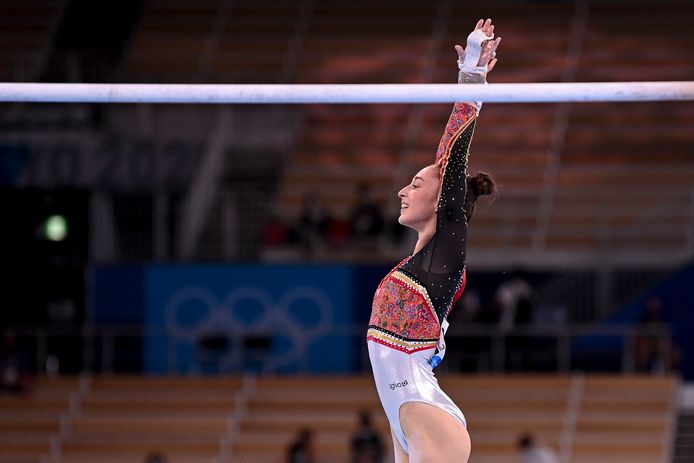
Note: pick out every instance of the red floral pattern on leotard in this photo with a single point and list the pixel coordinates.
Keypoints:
(412, 301)
(462, 115)
(400, 307)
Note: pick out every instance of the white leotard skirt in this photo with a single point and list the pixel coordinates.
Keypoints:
(402, 378)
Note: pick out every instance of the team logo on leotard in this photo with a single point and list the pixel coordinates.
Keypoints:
(394, 386)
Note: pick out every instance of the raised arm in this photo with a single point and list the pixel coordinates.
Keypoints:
(440, 264)
(474, 62)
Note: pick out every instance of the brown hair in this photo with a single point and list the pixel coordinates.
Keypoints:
(479, 184)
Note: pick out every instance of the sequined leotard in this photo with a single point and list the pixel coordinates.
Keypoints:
(408, 317)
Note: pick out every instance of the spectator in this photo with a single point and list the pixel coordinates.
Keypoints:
(367, 446)
(275, 232)
(653, 353)
(469, 306)
(301, 450)
(338, 233)
(14, 366)
(314, 222)
(155, 457)
(514, 297)
(532, 452)
(366, 216)
(489, 313)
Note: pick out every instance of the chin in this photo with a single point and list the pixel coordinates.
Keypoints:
(404, 222)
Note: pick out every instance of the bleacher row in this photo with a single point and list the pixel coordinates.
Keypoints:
(609, 157)
(121, 419)
(616, 174)
(27, 32)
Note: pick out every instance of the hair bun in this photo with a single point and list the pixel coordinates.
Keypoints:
(481, 184)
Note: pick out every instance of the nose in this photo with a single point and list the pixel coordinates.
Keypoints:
(401, 193)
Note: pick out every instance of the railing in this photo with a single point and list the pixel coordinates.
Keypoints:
(214, 38)
(291, 57)
(560, 127)
(471, 347)
(203, 189)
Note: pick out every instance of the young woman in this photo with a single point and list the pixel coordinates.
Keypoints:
(408, 318)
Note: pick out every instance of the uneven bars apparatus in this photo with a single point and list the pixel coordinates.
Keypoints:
(346, 93)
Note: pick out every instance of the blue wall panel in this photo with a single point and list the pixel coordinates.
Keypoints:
(200, 318)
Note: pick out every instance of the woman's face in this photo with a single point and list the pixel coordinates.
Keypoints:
(418, 200)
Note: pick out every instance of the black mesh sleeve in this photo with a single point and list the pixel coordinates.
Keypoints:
(440, 264)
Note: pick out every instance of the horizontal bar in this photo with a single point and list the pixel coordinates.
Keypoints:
(345, 93)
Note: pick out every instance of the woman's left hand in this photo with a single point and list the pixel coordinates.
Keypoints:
(488, 47)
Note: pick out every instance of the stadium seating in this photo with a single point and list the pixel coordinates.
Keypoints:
(30, 420)
(498, 409)
(122, 419)
(559, 183)
(125, 418)
(27, 31)
(562, 170)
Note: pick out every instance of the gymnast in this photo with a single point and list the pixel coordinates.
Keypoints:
(408, 320)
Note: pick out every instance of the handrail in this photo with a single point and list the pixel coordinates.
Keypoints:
(67, 419)
(107, 336)
(561, 127)
(571, 418)
(413, 125)
(291, 56)
(672, 424)
(690, 224)
(214, 38)
(203, 189)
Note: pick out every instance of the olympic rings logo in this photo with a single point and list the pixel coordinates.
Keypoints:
(192, 312)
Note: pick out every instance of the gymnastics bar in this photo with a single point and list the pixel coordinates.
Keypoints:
(346, 93)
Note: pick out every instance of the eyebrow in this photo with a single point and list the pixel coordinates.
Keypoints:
(417, 177)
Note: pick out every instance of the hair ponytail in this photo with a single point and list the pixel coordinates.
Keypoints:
(480, 184)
